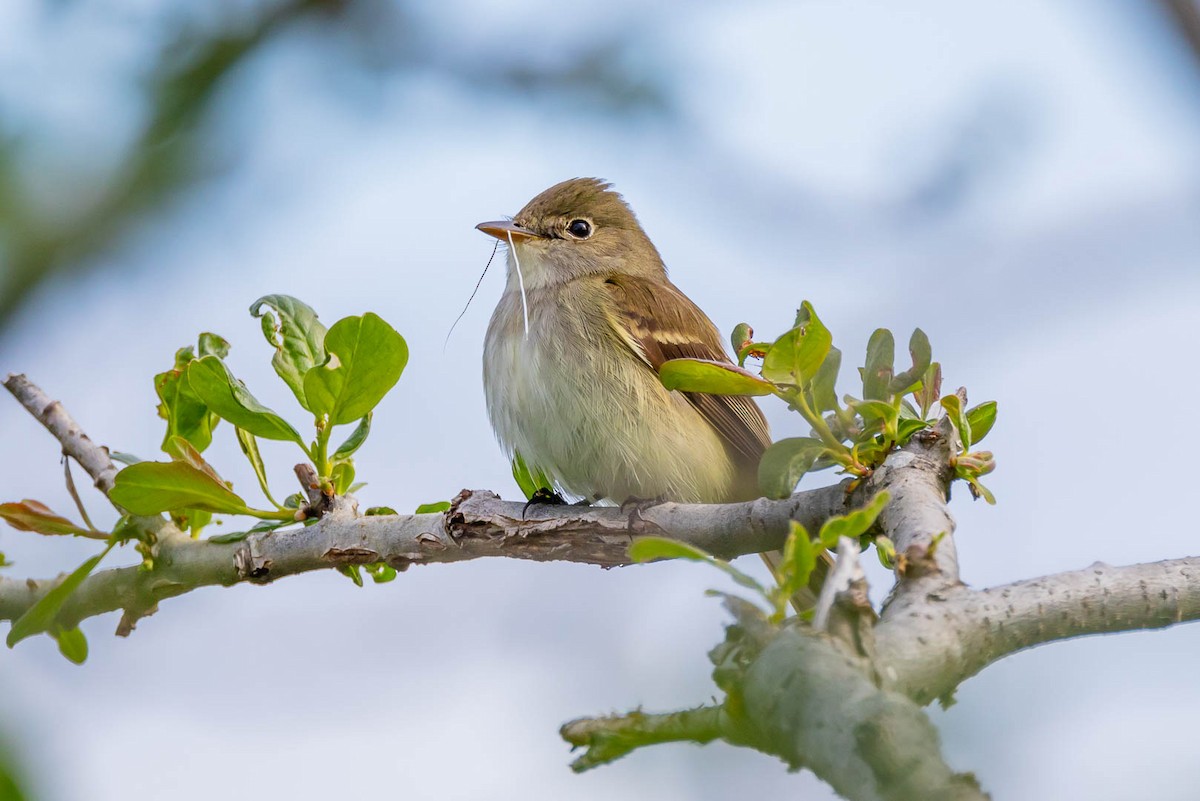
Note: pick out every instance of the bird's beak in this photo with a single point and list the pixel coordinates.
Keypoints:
(503, 229)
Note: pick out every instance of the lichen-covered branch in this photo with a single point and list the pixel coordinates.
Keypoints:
(610, 738)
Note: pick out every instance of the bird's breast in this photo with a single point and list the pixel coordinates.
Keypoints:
(578, 404)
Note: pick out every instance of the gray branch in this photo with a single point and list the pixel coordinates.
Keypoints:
(75, 443)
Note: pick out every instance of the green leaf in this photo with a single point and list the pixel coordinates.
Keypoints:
(742, 335)
(353, 442)
(180, 450)
(785, 463)
(648, 549)
(352, 572)
(213, 345)
(530, 480)
(372, 511)
(30, 515)
(907, 427)
(380, 572)
(824, 385)
(257, 528)
(799, 560)
(125, 458)
(342, 476)
(930, 389)
(249, 446)
(853, 524)
(954, 410)
(430, 508)
(186, 414)
(981, 418)
(71, 643)
(229, 398)
(877, 374)
(872, 410)
(365, 359)
(922, 355)
(712, 377)
(148, 488)
(297, 336)
(40, 616)
(796, 356)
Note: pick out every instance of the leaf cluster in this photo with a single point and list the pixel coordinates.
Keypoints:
(853, 433)
(338, 375)
(800, 554)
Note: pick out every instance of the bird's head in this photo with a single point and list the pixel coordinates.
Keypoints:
(576, 228)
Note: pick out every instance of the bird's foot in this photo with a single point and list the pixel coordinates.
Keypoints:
(546, 497)
(635, 506)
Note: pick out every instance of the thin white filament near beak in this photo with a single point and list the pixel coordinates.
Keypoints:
(521, 282)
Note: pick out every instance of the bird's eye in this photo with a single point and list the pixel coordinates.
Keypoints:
(580, 229)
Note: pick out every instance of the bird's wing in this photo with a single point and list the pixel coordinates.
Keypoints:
(658, 322)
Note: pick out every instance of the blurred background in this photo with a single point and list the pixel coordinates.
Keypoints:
(1021, 179)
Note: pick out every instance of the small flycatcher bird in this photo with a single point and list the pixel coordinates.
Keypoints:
(570, 363)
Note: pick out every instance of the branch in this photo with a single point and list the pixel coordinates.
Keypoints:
(816, 706)
(964, 631)
(478, 525)
(75, 443)
(610, 738)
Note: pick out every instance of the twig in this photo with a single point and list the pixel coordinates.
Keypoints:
(91, 457)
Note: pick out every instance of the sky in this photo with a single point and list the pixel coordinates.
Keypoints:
(1021, 180)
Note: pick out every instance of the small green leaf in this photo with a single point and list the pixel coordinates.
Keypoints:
(213, 345)
(380, 572)
(342, 476)
(148, 488)
(824, 385)
(71, 643)
(711, 377)
(796, 356)
(872, 410)
(186, 414)
(922, 355)
(230, 399)
(352, 572)
(40, 616)
(907, 427)
(297, 336)
(125, 458)
(930, 389)
(785, 463)
(249, 446)
(353, 442)
(981, 418)
(954, 410)
(257, 528)
(853, 524)
(742, 335)
(648, 549)
(430, 508)
(180, 450)
(877, 374)
(372, 511)
(30, 515)
(530, 480)
(799, 560)
(365, 357)
(885, 549)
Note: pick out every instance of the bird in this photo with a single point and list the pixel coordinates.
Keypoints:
(571, 358)
(572, 353)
